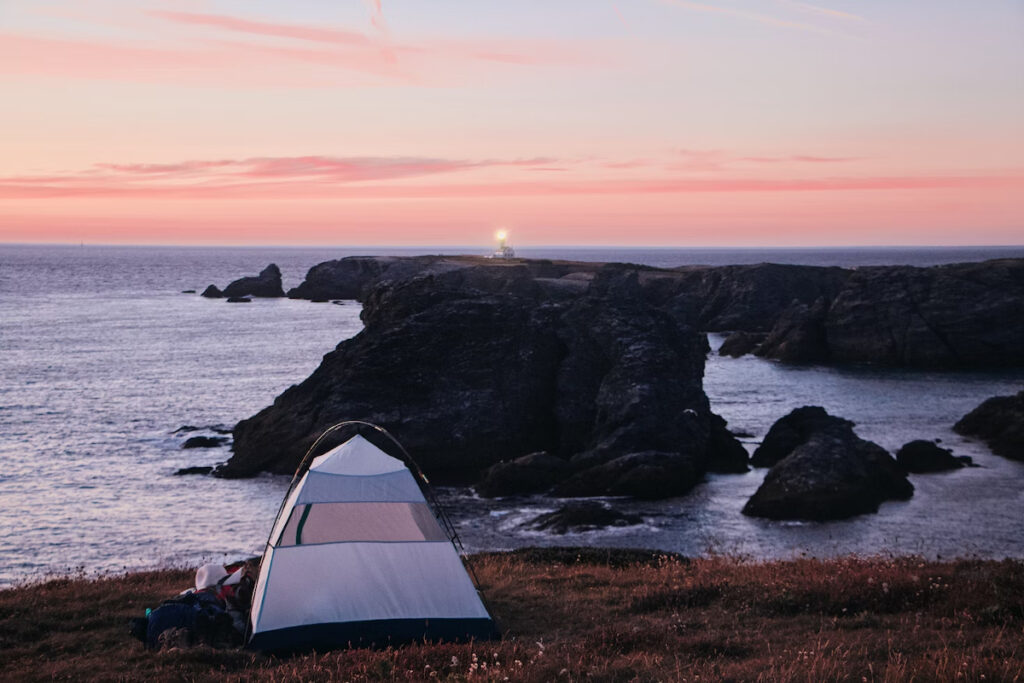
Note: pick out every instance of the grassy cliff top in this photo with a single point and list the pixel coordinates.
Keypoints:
(573, 615)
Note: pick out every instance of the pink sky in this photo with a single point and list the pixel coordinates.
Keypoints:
(649, 122)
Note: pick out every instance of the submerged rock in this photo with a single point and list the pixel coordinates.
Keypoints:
(212, 292)
(205, 442)
(793, 430)
(239, 300)
(582, 516)
(833, 475)
(193, 470)
(999, 422)
(922, 456)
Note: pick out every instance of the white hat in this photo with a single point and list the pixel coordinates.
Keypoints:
(208, 575)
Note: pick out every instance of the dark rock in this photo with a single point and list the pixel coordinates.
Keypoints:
(188, 291)
(799, 335)
(833, 475)
(205, 441)
(648, 475)
(958, 315)
(212, 292)
(239, 300)
(267, 284)
(473, 365)
(727, 454)
(793, 430)
(740, 343)
(999, 422)
(193, 470)
(529, 474)
(582, 516)
(218, 428)
(748, 298)
(924, 456)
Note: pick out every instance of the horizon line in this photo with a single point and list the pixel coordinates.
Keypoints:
(484, 247)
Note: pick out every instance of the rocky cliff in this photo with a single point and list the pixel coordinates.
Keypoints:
(474, 365)
(959, 315)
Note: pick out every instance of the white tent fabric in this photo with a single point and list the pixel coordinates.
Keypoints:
(357, 556)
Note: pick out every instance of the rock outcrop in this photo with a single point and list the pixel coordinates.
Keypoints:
(476, 365)
(205, 441)
(834, 475)
(920, 457)
(959, 315)
(533, 473)
(999, 422)
(266, 285)
(793, 430)
(741, 343)
(825, 470)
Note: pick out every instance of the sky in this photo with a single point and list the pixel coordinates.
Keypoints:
(597, 122)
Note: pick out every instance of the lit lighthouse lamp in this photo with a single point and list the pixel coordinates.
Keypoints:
(504, 249)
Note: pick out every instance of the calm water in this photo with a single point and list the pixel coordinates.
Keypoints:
(102, 359)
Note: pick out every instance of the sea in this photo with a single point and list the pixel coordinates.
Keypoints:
(107, 366)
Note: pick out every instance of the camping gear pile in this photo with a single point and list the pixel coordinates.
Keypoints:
(212, 613)
(357, 556)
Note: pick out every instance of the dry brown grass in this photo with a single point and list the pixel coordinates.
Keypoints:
(593, 616)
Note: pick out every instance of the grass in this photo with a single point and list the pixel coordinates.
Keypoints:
(586, 615)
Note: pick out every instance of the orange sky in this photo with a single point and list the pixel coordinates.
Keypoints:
(651, 122)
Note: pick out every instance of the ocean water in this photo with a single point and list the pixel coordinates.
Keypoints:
(103, 359)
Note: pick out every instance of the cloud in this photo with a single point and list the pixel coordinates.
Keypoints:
(325, 177)
(800, 158)
(265, 28)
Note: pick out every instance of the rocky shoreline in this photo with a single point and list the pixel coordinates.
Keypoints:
(585, 379)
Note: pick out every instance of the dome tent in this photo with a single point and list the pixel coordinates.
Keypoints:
(357, 556)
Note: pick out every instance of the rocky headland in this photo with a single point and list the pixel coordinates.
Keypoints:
(949, 316)
(582, 379)
(478, 365)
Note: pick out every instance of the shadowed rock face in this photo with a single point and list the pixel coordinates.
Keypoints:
(999, 422)
(960, 315)
(472, 366)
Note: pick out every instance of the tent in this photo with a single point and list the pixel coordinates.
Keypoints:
(357, 556)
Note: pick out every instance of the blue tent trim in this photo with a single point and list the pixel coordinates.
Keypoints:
(378, 633)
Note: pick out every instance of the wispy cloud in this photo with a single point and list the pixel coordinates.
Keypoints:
(325, 177)
(264, 28)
